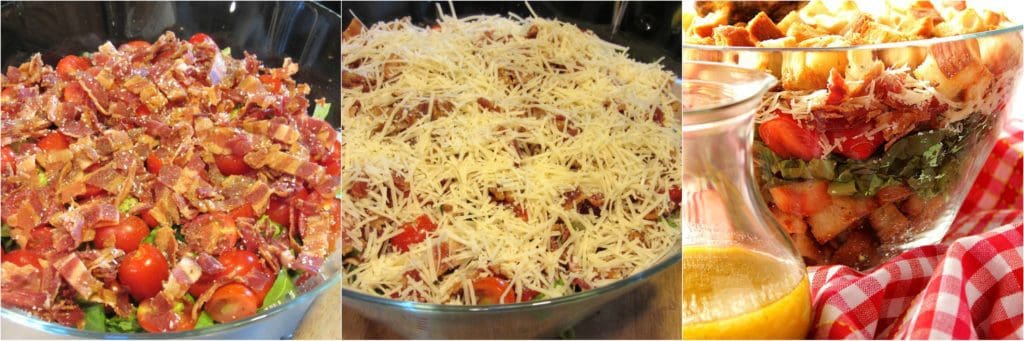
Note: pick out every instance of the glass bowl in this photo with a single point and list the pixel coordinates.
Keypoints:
(648, 31)
(924, 147)
(307, 32)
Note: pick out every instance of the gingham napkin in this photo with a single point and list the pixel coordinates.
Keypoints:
(967, 288)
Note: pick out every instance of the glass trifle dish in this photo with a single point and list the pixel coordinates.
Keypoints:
(883, 116)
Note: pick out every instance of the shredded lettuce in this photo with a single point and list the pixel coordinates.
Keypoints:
(43, 180)
(226, 52)
(204, 320)
(282, 288)
(119, 324)
(127, 204)
(95, 317)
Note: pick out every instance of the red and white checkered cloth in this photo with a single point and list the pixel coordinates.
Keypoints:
(967, 288)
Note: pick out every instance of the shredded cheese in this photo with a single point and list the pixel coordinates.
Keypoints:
(551, 124)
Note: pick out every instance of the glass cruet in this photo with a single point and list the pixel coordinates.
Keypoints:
(742, 278)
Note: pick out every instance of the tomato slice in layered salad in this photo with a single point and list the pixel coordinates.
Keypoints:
(161, 187)
(860, 150)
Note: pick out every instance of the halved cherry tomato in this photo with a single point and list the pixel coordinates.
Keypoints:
(231, 165)
(8, 159)
(23, 258)
(231, 303)
(74, 94)
(199, 38)
(855, 143)
(53, 141)
(91, 191)
(134, 45)
(244, 211)
(412, 234)
(784, 136)
(272, 84)
(148, 218)
(801, 198)
(70, 64)
(143, 271)
(178, 318)
(675, 194)
(126, 235)
(237, 263)
(278, 211)
(489, 290)
(154, 163)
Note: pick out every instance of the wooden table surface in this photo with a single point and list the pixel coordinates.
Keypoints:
(321, 322)
(652, 311)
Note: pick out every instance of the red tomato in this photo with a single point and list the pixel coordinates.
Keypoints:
(412, 234)
(53, 141)
(70, 64)
(788, 139)
(91, 191)
(74, 94)
(142, 110)
(154, 163)
(9, 160)
(245, 211)
(231, 165)
(23, 258)
(155, 321)
(200, 38)
(489, 290)
(148, 218)
(675, 194)
(801, 198)
(134, 45)
(231, 303)
(529, 295)
(278, 211)
(143, 271)
(237, 263)
(856, 144)
(272, 84)
(126, 235)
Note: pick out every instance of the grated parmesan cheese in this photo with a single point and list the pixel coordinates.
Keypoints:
(455, 158)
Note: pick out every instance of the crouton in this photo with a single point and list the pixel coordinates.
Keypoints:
(813, 253)
(762, 28)
(810, 70)
(704, 26)
(909, 56)
(857, 251)
(889, 223)
(956, 70)
(732, 36)
(1000, 53)
(771, 61)
(844, 213)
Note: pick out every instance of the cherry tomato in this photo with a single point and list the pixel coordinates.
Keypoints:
(53, 141)
(224, 227)
(126, 235)
(91, 191)
(231, 165)
(134, 45)
(154, 321)
(23, 258)
(855, 142)
(784, 136)
(412, 234)
(278, 211)
(148, 218)
(244, 211)
(272, 84)
(237, 263)
(154, 163)
(9, 160)
(489, 290)
(70, 64)
(200, 38)
(231, 303)
(143, 271)
(74, 94)
(675, 194)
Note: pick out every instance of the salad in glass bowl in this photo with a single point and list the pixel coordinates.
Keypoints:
(162, 187)
(881, 120)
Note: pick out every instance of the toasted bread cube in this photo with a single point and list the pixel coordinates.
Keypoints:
(762, 28)
(1000, 53)
(889, 223)
(810, 70)
(788, 20)
(766, 61)
(861, 70)
(813, 253)
(909, 56)
(801, 31)
(857, 251)
(844, 213)
(704, 26)
(732, 36)
(916, 207)
(956, 70)
(791, 223)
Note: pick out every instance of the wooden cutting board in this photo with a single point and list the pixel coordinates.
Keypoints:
(652, 311)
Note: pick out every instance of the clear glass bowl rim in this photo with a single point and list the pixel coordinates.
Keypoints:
(26, 319)
(891, 45)
(671, 259)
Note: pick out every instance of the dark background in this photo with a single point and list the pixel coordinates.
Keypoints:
(646, 27)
